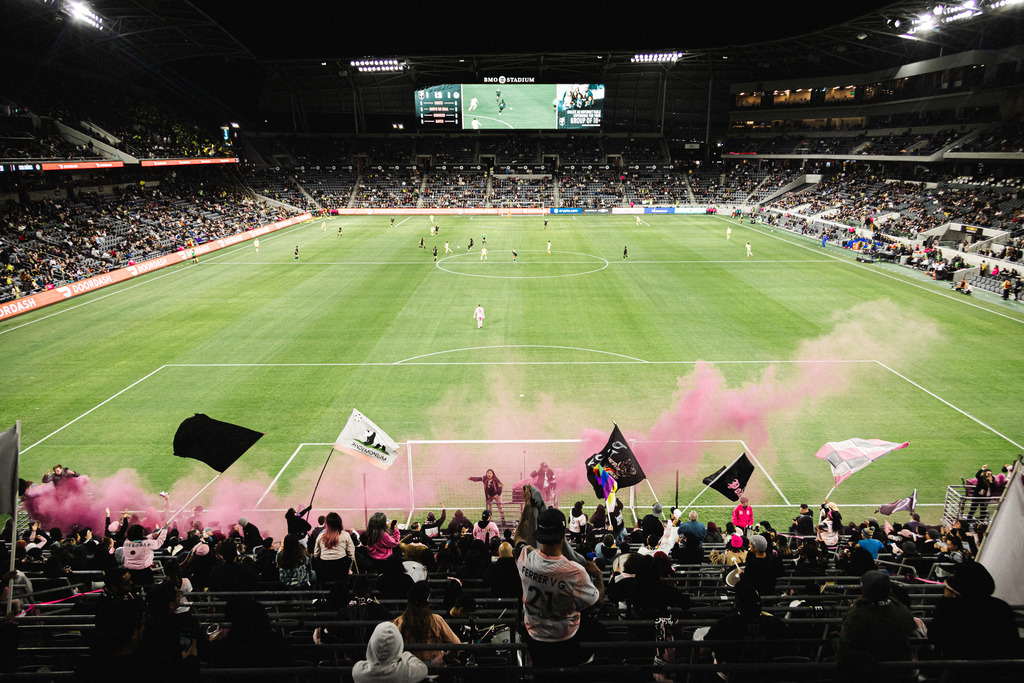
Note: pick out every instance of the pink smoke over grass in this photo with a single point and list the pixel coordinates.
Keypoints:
(703, 406)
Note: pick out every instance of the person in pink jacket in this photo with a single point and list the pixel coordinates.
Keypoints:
(380, 538)
(743, 515)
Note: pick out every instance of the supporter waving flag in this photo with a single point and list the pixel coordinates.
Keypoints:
(616, 460)
(847, 457)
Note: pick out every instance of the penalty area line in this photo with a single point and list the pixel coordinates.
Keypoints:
(95, 407)
(942, 400)
(758, 463)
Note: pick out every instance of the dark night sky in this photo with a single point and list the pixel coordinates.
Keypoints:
(342, 28)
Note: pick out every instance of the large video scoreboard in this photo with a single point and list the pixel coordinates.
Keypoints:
(511, 106)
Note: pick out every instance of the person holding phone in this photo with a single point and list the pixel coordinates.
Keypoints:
(381, 537)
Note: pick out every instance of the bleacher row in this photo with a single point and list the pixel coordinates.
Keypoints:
(57, 630)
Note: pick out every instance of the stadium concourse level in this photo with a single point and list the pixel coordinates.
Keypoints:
(47, 243)
(819, 597)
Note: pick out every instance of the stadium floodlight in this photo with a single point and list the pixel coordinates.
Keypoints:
(81, 12)
(656, 58)
(379, 65)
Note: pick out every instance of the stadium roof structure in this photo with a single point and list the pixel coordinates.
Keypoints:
(297, 56)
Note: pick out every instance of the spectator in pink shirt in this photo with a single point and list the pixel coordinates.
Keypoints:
(743, 515)
(381, 538)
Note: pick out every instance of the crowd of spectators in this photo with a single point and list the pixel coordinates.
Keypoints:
(590, 189)
(1005, 137)
(516, 191)
(394, 602)
(52, 242)
(450, 190)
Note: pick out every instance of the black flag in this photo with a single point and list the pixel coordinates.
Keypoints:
(218, 444)
(618, 459)
(732, 480)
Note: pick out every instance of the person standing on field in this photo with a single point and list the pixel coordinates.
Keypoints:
(479, 315)
(257, 245)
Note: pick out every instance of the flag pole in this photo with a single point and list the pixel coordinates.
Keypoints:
(653, 494)
(14, 517)
(706, 487)
(320, 477)
(168, 522)
(677, 488)
(366, 511)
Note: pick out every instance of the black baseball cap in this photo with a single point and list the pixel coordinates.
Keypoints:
(550, 526)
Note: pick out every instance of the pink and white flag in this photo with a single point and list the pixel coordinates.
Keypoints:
(846, 457)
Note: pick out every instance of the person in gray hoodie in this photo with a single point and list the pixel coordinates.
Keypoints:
(386, 659)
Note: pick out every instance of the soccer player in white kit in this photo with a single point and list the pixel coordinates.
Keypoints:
(728, 233)
(323, 226)
(749, 253)
(479, 315)
(447, 249)
(483, 253)
(257, 245)
(638, 221)
(549, 246)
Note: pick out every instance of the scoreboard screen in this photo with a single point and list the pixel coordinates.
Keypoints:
(438, 106)
(476, 106)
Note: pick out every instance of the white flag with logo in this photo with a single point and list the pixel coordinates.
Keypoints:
(363, 439)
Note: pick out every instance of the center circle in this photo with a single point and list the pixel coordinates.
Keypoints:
(593, 265)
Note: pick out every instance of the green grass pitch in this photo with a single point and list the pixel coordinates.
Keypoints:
(799, 346)
(526, 106)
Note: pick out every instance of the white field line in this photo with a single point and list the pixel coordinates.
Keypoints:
(519, 265)
(942, 400)
(172, 271)
(520, 346)
(510, 441)
(958, 298)
(408, 361)
(758, 463)
(98, 405)
(284, 467)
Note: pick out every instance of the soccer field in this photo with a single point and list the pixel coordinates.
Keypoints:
(697, 352)
(526, 106)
